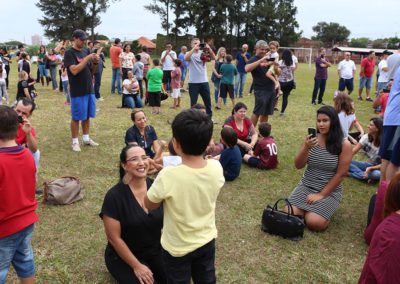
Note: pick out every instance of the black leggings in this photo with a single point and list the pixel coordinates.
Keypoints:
(286, 88)
(123, 273)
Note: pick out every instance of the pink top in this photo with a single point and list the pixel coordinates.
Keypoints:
(176, 78)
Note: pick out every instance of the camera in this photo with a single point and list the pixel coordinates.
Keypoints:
(20, 119)
(202, 45)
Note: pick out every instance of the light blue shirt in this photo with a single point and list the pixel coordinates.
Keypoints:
(197, 69)
(392, 112)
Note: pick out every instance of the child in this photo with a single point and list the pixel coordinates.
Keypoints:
(265, 155)
(138, 72)
(189, 194)
(228, 71)
(64, 81)
(176, 83)
(22, 87)
(230, 158)
(380, 102)
(274, 71)
(154, 77)
(3, 85)
(344, 107)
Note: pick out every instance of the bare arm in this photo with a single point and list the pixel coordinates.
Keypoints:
(254, 136)
(358, 126)
(31, 141)
(251, 66)
(75, 69)
(356, 148)
(150, 205)
(112, 229)
(301, 159)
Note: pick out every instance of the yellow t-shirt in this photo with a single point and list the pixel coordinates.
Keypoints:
(189, 197)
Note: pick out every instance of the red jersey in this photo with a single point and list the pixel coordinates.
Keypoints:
(267, 152)
(21, 136)
(383, 100)
(241, 135)
(115, 51)
(369, 66)
(17, 190)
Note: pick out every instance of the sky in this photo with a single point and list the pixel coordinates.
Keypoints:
(126, 20)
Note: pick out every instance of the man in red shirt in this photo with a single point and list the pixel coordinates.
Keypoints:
(367, 70)
(115, 51)
(18, 203)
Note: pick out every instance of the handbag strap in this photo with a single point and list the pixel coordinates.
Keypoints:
(289, 205)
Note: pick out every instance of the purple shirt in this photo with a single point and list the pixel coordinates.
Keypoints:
(321, 73)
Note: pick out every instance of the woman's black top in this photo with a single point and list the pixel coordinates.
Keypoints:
(140, 231)
(20, 89)
(144, 141)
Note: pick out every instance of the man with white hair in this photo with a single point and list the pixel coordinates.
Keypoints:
(242, 57)
(264, 88)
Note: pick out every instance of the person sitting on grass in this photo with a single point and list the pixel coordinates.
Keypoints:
(228, 72)
(230, 158)
(133, 252)
(130, 92)
(370, 142)
(382, 99)
(382, 262)
(189, 194)
(265, 155)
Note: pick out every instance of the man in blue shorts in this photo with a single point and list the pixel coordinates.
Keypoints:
(81, 65)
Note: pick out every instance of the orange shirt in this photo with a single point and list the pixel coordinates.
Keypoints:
(114, 55)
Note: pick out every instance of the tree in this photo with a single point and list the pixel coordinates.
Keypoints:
(61, 17)
(330, 33)
(161, 7)
(359, 42)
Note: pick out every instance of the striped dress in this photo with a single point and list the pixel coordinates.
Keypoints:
(321, 167)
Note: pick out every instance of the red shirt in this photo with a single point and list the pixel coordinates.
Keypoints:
(383, 99)
(17, 190)
(21, 136)
(176, 78)
(369, 66)
(114, 56)
(241, 135)
(383, 259)
(267, 151)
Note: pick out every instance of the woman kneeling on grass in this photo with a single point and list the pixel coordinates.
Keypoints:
(133, 252)
(383, 259)
(327, 157)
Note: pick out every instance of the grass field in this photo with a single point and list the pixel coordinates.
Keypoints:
(69, 241)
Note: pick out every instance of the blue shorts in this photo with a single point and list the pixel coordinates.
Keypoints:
(365, 82)
(346, 83)
(390, 145)
(83, 107)
(17, 249)
(254, 162)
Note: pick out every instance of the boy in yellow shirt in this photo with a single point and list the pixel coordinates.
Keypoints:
(189, 193)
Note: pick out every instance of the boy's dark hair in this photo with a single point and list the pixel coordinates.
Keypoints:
(28, 102)
(192, 129)
(23, 55)
(156, 62)
(229, 136)
(20, 46)
(198, 106)
(171, 148)
(178, 62)
(138, 57)
(228, 58)
(144, 48)
(8, 123)
(265, 129)
(117, 40)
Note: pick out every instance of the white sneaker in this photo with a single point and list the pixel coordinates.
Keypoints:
(100, 99)
(90, 143)
(76, 147)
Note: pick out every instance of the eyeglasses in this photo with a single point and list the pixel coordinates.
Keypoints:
(137, 159)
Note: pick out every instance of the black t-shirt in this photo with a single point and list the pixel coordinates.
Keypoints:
(260, 80)
(80, 84)
(140, 231)
(145, 142)
(20, 89)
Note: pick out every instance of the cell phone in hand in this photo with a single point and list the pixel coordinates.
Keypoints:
(312, 132)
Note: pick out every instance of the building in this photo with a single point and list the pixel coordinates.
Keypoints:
(36, 39)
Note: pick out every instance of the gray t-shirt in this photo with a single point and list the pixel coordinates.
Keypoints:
(197, 69)
(393, 63)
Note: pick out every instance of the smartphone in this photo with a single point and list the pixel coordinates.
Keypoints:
(271, 59)
(202, 45)
(312, 132)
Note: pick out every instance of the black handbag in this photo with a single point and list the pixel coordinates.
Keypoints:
(284, 224)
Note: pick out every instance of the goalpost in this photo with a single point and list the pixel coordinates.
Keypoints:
(303, 54)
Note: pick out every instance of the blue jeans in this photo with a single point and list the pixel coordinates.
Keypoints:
(204, 90)
(42, 70)
(116, 77)
(216, 91)
(53, 75)
(357, 170)
(66, 91)
(319, 85)
(240, 80)
(132, 101)
(17, 249)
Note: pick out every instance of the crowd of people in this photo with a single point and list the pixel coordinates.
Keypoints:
(163, 230)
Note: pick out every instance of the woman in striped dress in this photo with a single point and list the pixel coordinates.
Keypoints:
(327, 156)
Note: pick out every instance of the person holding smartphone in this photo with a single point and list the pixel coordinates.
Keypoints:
(327, 157)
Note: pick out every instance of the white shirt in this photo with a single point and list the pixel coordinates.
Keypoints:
(295, 60)
(345, 122)
(346, 68)
(383, 75)
(168, 63)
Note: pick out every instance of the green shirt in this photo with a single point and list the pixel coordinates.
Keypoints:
(155, 76)
(228, 71)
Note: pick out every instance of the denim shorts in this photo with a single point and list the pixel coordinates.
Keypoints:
(17, 249)
(365, 82)
(390, 145)
(83, 107)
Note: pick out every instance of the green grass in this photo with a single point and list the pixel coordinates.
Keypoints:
(69, 241)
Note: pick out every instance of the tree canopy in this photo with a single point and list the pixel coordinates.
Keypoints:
(330, 33)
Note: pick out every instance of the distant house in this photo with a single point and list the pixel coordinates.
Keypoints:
(144, 41)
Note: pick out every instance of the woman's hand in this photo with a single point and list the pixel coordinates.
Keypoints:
(367, 171)
(247, 146)
(312, 198)
(311, 141)
(144, 274)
